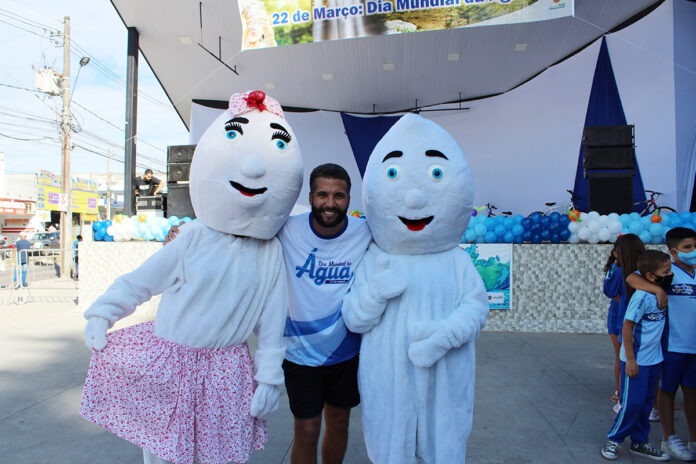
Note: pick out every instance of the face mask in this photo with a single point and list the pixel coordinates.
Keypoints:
(687, 258)
(664, 281)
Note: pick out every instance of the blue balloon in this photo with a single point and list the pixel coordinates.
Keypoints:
(624, 218)
(634, 216)
(645, 236)
(517, 239)
(536, 238)
(518, 218)
(174, 221)
(555, 238)
(98, 236)
(656, 239)
(489, 222)
(565, 220)
(187, 219)
(517, 229)
(555, 216)
(545, 235)
(108, 238)
(469, 236)
(536, 227)
(509, 237)
(490, 237)
(564, 234)
(685, 216)
(545, 221)
(108, 222)
(527, 236)
(526, 223)
(636, 227)
(500, 230)
(480, 229)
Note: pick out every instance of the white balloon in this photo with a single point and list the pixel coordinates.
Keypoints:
(583, 217)
(584, 233)
(604, 220)
(593, 214)
(593, 239)
(594, 225)
(604, 234)
(573, 239)
(110, 230)
(614, 216)
(573, 227)
(615, 226)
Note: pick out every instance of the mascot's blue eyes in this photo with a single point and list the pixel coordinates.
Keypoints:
(231, 134)
(392, 173)
(281, 144)
(436, 172)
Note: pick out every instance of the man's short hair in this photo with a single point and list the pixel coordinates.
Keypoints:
(329, 171)
(675, 236)
(149, 171)
(651, 260)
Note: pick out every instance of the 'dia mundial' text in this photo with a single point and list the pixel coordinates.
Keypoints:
(370, 7)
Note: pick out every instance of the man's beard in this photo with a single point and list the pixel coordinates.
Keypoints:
(340, 216)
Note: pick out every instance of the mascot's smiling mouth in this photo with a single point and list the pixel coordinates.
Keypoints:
(416, 224)
(246, 191)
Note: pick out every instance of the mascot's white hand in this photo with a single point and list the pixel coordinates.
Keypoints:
(95, 333)
(429, 343)
(387, 283)
(265, 401)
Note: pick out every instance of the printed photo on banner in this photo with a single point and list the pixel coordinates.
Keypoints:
(270, 23)
(493, 261)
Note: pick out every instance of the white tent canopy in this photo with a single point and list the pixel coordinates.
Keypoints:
(488, 62)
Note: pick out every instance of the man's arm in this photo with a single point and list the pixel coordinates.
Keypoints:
(160, 186)
(641, 283)
(627, 332)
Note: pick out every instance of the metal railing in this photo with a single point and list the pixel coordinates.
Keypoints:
(20, 270)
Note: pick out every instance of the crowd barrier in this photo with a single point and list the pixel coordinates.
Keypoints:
(39, 265)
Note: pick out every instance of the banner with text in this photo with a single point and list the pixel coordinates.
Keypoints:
(493, 261)
(271, 23)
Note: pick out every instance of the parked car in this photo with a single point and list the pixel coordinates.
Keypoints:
(44, 241)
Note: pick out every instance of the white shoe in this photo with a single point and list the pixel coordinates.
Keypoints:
(674, 446)
(617, 408)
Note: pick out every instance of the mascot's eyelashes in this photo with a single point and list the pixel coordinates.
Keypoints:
(231, 129)
(283, 136)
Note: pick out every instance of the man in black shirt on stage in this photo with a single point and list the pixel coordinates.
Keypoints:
(147, 185)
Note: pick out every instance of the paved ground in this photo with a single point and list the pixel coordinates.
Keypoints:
(540, 398)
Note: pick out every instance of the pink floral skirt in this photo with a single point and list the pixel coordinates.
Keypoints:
(182, 404)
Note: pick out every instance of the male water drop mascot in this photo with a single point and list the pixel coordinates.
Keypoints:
(417, 299)
(184, 388)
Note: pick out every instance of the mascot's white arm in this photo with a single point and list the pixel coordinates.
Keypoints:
(269, 356)
(156, 274)
(431, 340)
(366, 300)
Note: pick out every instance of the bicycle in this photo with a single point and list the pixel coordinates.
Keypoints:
(479, 209)
(651, 204)
(565, 208)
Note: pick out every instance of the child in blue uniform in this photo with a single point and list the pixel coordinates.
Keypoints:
(622, 261)
(641, 359)
(678, 341)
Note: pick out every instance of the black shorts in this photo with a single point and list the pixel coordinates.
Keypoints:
(309, 387)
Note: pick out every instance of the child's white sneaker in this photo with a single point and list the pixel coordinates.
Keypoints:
(674, 446)
(611, 450)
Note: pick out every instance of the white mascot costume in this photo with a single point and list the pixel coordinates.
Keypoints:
(417, 299)
(184, 388)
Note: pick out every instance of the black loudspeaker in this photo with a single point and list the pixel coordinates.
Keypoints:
(607, 136)
(154, 202)
(178, 172)
(179, 201)
(180, 153)
(179, 162)
(611, 193)
(609, 158)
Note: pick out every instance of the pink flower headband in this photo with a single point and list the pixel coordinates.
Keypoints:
(242, 103)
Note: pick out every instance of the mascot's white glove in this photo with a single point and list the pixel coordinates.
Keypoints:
(265, 401)
(386, 283)
(431, 340)
(95, 333)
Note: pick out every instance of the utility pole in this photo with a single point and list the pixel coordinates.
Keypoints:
(66, 229)
(108, 184)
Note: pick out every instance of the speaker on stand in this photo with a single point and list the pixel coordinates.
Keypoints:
(179, 159)
(609, 168)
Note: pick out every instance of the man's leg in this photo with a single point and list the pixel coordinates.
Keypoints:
(304, 446)
(333, 446)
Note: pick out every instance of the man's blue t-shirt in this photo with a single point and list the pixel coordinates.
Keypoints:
(20, 245)
(650, 321)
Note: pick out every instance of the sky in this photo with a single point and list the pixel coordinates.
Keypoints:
(29, 134)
